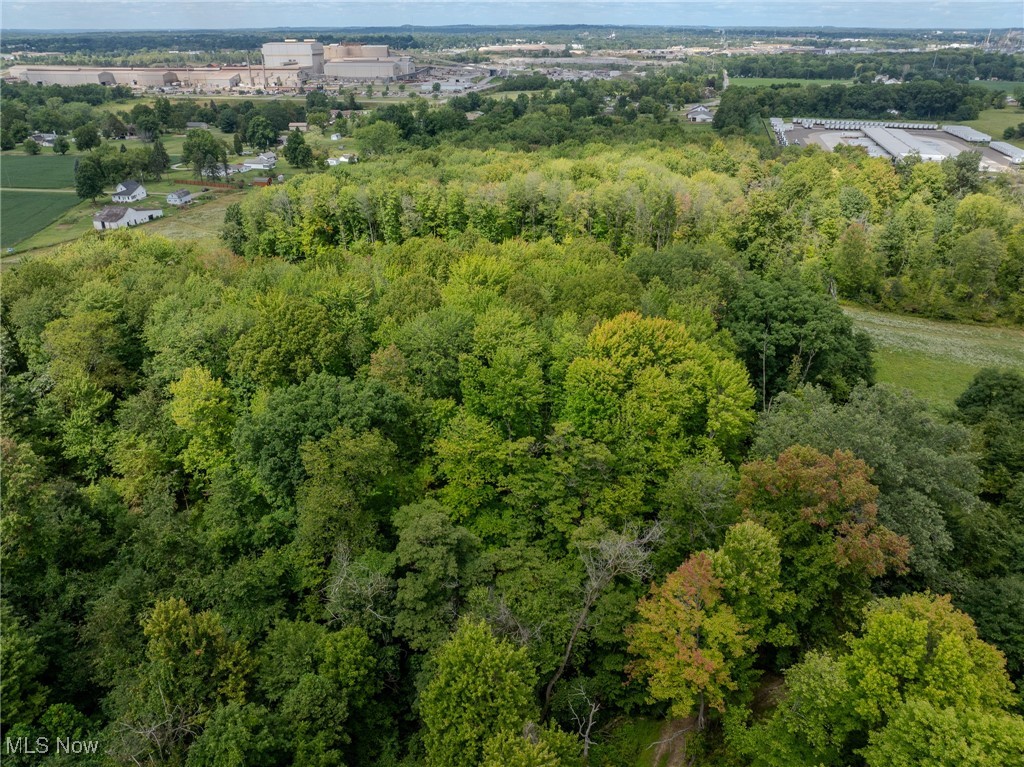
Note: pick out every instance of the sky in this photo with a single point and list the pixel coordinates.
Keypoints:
(238, 14)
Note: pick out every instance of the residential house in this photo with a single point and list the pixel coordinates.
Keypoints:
(197, 126)
(44, 139)
(264, 161)
(180, 197)
(114, 217)
(699, 114)
(129, 191)
(262, 181)
(301, 127)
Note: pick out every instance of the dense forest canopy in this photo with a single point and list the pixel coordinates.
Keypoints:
(514, 436)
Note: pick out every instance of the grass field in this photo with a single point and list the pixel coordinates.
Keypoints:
(40, 172)
(998, 85)
(936, 360)
(202, 222)
(755, 81)
(25, 213)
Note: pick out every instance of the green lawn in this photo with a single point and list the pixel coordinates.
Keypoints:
(936, 359)
(23, 214)
(40, 172)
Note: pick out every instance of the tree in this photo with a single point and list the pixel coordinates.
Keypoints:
(653, 393)
(61, 145)
(687, 640)
(30, 147)
(90, 178)
(921, 464)
(159, 160)
(697, 633)
(86, 137)
(823, 510)
(901, 692)
(608, 556)
(857, 269)
(378, 138)
(789, 334)
(260, 133)
(297, 152)
(963, 174)
(237, 144)
(207, 154)
(480, 686)
(201, 406)
(437, 558)
(192, 666)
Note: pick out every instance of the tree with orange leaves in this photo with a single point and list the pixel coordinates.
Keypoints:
(823, 510)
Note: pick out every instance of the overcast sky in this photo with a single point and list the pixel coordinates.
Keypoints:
(235, 14)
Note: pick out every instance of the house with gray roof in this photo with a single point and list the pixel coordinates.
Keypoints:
(129, 191)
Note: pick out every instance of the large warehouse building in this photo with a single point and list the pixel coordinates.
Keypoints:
(286, 65)
(354, 61)
(64, 75)
(304, 54)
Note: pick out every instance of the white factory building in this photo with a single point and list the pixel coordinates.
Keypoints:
(354, 61)
(305, 54)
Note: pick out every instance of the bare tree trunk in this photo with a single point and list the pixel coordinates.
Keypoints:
(612, 555)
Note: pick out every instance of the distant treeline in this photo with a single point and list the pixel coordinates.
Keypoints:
(918, 100)
(960, 65)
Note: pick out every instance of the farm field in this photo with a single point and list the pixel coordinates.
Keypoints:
(936, 360)
(25, 213)
(18, 171)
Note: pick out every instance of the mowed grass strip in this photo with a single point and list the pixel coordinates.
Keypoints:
(22, 214)
(40, 172)
(936, 360)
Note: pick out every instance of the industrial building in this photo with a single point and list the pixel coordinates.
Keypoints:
(341, 51)
(215, 78)
(968, 134)
(1013, 153)
(63, 75)
(368, 69)
(286, 65)
(898, 140)
(304, 54)
(354, 61)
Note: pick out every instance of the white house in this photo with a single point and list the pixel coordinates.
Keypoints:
(335, 137)
(44, 139)
(180, 197)
(699, 114)
(129, 191)
(113, 217)
(265, 161)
